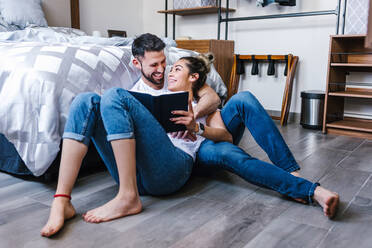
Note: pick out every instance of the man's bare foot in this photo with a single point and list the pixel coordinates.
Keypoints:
(62, 210)
(328, 201)
(116, 208)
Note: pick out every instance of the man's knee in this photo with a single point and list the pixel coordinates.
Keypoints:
(116, 92)
(85, 100)
(113, 95)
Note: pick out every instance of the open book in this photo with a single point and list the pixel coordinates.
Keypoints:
(162, 105)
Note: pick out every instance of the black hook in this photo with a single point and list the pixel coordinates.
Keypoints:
(254, 70)
(286, 65)
(239, 66)
(271, 68)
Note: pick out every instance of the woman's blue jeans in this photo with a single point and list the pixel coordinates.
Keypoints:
(244, 110)
(161, 167)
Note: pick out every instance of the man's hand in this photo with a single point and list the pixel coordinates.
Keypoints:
(208, 102)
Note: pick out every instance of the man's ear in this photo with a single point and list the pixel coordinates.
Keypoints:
(137, 63)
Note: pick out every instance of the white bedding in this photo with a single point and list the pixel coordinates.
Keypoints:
(42, 70)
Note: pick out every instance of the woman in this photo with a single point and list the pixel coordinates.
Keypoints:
(138, 153)
(281, 176)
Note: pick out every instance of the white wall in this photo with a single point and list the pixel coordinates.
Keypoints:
(306, 37)
(111, 14)
(57, 12)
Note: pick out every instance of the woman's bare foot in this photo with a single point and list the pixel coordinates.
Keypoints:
(62, 210)
(118, 207)
(328, 201)
(300, 200)
(296, 173)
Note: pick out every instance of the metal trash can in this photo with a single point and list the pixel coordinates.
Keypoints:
(312, 108)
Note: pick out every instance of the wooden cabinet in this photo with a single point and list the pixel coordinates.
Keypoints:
(223, 51)
(347, 54)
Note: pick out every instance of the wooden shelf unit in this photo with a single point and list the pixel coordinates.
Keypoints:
(223, 51)
(346, 54)
(195, 11)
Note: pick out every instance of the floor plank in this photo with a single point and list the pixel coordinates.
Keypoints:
(228, 188)
(234, 227)
(305, 147)
(354, 229)
(360, 159)
(167, 228)
(321, 162)
(345, 182)
(284, 233)
(215, 210)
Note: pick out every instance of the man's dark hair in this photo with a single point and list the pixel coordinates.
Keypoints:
(146, 43)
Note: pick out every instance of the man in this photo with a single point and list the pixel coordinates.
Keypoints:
(149, 58)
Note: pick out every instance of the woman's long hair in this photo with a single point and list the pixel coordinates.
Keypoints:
(200, 64)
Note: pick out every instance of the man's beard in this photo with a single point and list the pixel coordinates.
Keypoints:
(152, 80)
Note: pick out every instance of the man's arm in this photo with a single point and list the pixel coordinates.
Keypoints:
(208, 102)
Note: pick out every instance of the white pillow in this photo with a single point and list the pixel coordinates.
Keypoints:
(23, 12)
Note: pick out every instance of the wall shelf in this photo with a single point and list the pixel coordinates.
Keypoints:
(352, 124)
(219, 10)
(195, 11)
(350, 65)
(350, 93)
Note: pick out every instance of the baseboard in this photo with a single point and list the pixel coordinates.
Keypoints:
(292, 117)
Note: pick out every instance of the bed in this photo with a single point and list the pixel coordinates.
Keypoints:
(42, 69)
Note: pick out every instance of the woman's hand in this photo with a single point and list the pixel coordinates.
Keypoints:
(186, 135)
(186, 118)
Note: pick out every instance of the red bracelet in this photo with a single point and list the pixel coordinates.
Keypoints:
(62, 195)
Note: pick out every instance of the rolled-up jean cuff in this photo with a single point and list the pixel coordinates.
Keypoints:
(311, 192)
(292, 168)
(77, 137)
(111, 137)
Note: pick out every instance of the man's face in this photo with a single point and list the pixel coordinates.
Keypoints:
(152, 66)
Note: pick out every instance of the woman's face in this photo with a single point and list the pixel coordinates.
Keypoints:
(179, 77)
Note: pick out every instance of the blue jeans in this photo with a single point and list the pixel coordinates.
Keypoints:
(244, 110)
(161, 167)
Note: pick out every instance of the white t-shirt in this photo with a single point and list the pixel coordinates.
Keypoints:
(190, 147)
(142, 87)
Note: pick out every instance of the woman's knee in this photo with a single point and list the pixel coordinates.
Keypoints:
(244, 97)
(245, 101)
(217, 153)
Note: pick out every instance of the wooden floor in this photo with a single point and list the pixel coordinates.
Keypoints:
(215, 211)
